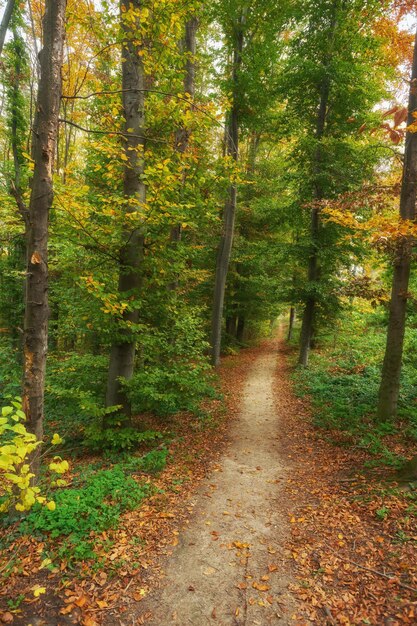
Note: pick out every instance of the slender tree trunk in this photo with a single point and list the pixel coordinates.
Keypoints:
(391, 370)
(240, 328)
(5, 22)
(226, 239)
(122, 358)
(45, 131)
(291, 323)
(231, 325)
(19, 253)
(307, 325)
(182, 137)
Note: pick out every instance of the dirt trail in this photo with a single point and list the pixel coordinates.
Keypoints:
(228, 568)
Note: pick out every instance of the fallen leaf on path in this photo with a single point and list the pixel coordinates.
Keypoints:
(81, 601)
(260, 587)
(240, 546)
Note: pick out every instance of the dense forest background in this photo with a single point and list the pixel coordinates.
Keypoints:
(177, 179)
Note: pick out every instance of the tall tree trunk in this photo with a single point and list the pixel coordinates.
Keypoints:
(307, 325)
(291, 323)
(391, 370)
(5, 22)
(240, 328)
(182, 136)
(17, 141)
(226, 239)
(122, 357)
(45, 131)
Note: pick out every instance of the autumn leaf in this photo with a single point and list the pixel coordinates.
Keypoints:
(38, 591)
(260, 586)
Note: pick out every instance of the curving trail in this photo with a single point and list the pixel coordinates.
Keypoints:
(229, 566)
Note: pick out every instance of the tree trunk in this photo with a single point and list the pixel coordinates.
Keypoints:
(45, 131)
(226, 239)
(182, 137)
(391, 369)
(231, 322)
(122, 357)
(291, 323)
(307, 325)
(240, 328)
(5, 22)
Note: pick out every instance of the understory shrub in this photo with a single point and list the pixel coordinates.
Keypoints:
(93, 506)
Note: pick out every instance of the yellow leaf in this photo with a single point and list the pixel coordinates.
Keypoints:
(37, 591)
(51, 505)
(58, 466)
(56, 439)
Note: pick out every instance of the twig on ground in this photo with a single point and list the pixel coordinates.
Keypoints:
(376, 572)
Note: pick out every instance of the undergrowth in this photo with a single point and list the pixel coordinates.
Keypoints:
(93, 504)
(343, 379)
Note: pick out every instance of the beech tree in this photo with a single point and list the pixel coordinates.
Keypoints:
(122, 359)
(229, 211)
(335, 89)
(8, 11)
(391, 370)
(45, 129)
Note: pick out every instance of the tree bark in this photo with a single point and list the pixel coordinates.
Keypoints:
(226, 239)
(45, 131)
(5, 22)
(231, 325)
(240, 328)
(391, 370)
(182, 136)
(122, 357)
(291, 323)
(307, 325)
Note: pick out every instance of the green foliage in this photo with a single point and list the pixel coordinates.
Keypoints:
(153, 462)
(17, 446)
(116, 436)
(343, 382)
(95, 505)
(175, 376)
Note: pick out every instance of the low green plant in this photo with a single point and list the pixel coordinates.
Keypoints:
(92, 507)
(15, 450)
(382, 513)
(117, 436)
(154, 462)
(14, 603)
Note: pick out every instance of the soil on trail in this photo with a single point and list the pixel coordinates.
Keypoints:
(229, 566)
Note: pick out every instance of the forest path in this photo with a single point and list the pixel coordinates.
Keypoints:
(229, 566)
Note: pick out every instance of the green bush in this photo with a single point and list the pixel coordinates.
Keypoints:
(343, 382)
(117, 436)
(91, 507)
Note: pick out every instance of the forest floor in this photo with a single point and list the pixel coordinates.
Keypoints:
(259, 519)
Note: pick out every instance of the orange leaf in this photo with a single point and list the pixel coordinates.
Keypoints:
(260, 587)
